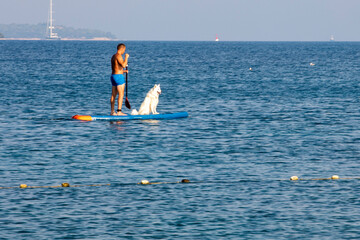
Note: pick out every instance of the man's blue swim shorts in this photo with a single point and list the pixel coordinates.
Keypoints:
(117, 79)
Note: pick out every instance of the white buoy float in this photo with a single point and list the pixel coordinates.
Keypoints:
(294, 178)
(144, 182)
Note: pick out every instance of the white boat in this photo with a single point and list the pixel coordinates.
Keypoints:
(216, 39)
(332, 38)
(50, 27)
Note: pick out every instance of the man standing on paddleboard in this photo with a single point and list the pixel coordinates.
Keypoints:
(117, 78)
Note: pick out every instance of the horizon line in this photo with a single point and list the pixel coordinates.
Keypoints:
(154, 40)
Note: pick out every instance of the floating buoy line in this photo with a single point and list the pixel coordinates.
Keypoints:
(333, 177)
(183, 181)
(66, 185)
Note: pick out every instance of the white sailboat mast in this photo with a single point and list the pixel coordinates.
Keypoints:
(51, 19)
(52, 34)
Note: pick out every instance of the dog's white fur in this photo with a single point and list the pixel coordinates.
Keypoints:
(150, 102)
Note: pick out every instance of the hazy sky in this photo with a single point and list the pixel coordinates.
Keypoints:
(232, 20)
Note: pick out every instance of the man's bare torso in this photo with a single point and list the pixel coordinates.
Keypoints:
(116, 66)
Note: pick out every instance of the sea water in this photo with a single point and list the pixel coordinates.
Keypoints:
(248, 132)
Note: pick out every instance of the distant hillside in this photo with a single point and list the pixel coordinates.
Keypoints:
(39, 31)
(1, 35)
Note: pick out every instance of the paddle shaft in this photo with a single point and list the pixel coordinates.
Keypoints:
(126, 81)
(127, 103)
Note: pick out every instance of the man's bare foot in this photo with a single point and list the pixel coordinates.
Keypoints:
(113, 113)
(120, 113)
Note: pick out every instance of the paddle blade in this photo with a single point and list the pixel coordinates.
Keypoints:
(127, 103)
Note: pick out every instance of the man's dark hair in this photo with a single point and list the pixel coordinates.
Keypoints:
(120, 45)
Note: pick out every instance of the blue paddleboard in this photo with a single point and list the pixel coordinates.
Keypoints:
(131, 117)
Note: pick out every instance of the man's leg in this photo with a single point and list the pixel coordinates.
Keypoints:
(112, 99)
(120, 89)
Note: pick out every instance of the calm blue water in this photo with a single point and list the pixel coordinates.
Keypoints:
(248, 132)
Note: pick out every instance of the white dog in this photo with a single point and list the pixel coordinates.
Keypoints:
(150, 102)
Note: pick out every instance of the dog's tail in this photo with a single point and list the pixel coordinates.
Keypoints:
(134, 112)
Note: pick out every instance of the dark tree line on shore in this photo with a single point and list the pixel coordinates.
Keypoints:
(1, 35)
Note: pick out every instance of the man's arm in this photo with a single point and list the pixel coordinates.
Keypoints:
(123, 63)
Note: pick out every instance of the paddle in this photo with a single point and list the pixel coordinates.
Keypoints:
(127, 103)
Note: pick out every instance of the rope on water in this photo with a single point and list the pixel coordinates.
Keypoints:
(146, 182)
(65, 184)
(333, 177)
